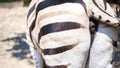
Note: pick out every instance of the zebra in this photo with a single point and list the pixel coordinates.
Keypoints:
(58, 31)
(104, 43)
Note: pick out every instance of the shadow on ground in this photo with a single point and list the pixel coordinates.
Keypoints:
(20, 49)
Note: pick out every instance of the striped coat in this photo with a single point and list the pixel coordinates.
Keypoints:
(58, 31)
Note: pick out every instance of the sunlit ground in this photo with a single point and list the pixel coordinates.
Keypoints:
(14, 52)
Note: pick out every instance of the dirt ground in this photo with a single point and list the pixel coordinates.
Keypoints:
(14, 52)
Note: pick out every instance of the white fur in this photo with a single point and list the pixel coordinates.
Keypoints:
(101, 53)
(75, 57)
(37, 57)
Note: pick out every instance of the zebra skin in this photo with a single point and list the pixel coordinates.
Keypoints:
(58, 31)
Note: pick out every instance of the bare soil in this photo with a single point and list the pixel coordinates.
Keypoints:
(14, 52)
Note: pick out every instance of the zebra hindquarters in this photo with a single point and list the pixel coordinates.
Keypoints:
(63, 35)
(102, 49)
(66, 49)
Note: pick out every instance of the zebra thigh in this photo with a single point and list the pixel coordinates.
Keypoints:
(102, 49)
(66, 49)
(64, 37)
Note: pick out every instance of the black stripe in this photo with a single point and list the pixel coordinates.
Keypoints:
(30, 30)
(83, 4)
(53, 51)
(114, 43)
(59, 66)
(32, 38)
(101, 9)
(42, 5)
(118, 12)
(47, 3)
(31, 10)
(105, 4)
(32, 25)
(56, 27)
